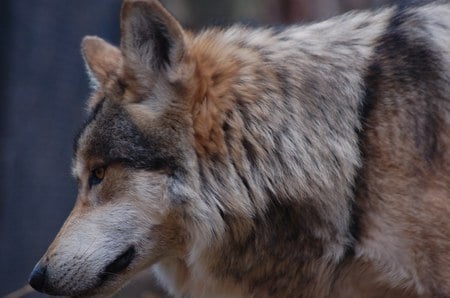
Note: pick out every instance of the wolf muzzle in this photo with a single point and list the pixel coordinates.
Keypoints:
(41, 282)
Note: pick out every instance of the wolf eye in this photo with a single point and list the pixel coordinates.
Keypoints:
(97, 176)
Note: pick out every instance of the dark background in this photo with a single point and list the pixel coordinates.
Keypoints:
(43, 89)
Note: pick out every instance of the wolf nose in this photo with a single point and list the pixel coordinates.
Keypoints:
(37, 277)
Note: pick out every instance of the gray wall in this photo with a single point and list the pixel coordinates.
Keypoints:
(43, 92)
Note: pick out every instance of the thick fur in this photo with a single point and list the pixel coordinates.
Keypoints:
(309, 161)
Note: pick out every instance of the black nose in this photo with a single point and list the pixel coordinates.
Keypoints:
(38, 276)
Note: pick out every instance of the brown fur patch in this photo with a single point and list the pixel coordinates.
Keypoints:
(215, 77)
(102, 58)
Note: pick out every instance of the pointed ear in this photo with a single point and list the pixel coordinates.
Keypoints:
(151, 36)
(101, 58)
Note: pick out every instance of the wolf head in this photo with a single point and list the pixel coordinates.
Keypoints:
(133, 159)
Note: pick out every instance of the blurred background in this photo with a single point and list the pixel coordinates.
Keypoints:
(43, 89)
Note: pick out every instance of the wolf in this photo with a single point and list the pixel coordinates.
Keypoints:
(305, 161)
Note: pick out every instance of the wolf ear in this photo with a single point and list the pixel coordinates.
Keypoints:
(101, 58)
(151, 36)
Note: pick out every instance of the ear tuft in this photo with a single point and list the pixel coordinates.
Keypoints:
(101, 58)
(151, 36)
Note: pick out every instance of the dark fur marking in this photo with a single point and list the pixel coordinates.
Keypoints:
(354, 228)
(226, 128)
(250, 152)
(363, 25)
(273, 241)
(122, 85)
(201, 172)
(428, 138)
(411, 60)
(368, 101)
(92, 116)
(222, 213)
(244, 114)
(250, 194)
(405, 61)
(115, 138)
(278, 147)
(154, 32)
(286, 88)
(161, 45)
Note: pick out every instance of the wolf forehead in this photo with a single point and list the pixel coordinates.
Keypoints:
(110, 135)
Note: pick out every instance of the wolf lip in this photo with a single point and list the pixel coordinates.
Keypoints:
(121, 262)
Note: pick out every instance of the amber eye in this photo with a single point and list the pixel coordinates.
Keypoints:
(99, 173)
(97, 176)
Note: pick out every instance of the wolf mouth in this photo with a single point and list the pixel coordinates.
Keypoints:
(119, 264)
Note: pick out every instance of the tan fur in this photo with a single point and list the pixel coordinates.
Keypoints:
(215, 71)
(102, 58)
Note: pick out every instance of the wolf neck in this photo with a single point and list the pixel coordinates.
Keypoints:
(277, 148)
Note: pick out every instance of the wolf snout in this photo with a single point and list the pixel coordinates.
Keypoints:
(76, 275)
